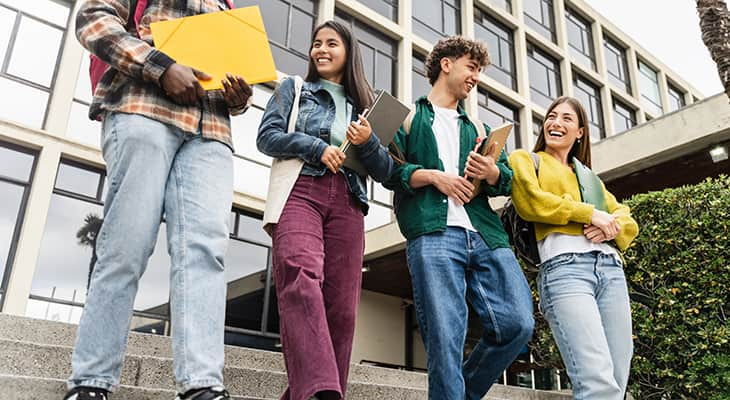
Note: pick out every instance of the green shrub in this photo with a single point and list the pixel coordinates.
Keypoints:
(678, 270)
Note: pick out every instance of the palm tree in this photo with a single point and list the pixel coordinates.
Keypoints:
(87, 237)
(715, 27)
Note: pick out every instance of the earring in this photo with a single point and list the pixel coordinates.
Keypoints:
(578, 140)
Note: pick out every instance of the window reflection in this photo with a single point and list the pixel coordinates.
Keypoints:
(539, 15)
(495, 113)
(289, 25)
(15, 165)
(434, 19)
(11, 197)
(501, 49)
(421, 86)
(387, 8)
(590, 98)
(378, 53)
(26, 106)
(616, 65)
(623, 116)
(580, 39)
(544, 77)
(649, 88)
(35, 62)
(49, 10)
(7, 22)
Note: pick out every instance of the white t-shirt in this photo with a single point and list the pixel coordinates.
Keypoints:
(446, 130)
(557, 243)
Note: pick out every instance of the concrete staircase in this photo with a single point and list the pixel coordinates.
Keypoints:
(35, 357)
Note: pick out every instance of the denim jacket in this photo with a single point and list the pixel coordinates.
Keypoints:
(312, 136)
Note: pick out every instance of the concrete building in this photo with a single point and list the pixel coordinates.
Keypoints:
(650, 128)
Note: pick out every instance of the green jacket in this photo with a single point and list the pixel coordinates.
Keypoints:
(423, 210)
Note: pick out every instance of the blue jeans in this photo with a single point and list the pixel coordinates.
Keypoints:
(447, 268)
(586, 302)
(152, 169)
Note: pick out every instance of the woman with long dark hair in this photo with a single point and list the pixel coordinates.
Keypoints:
(319, 239)
(581, 231)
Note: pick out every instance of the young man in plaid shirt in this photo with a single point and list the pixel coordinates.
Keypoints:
(168, 149)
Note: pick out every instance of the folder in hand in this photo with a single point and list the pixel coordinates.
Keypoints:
(230, 41)
(385, 117)
(497, 138)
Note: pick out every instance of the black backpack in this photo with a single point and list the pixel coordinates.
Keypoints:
(522, 233)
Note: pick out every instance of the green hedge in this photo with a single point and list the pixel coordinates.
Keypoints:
(678, 270)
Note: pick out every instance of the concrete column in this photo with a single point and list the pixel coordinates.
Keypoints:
(467, 29)
(405, 52)
(59, 108)
(326, 11)
(31, 235)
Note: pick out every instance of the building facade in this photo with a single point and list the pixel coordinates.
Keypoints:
(53, 184)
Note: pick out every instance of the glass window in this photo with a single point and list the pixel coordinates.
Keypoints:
(649, 89)
(80, 127)
(544, 76)
(616, 65)
(289, 25)
(495, 113)
(676, 98)
(7, 22)
(379, 53)
(26, 106)
(536, 130)
(49, 10)
(248, 261)
(580, 39)
(15, 175)
(421, 86)
(31, 35)
(539, 15)
(79, 180)
(506, 5)
(435, 19)
(590, 98)
(388, 8)
(35, 51)
(624, 117)
(16, 165)
(501, 48)
(67, 255)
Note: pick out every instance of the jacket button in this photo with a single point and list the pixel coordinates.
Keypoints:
(444, 201)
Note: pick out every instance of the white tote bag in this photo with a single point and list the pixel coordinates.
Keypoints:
(284, 172)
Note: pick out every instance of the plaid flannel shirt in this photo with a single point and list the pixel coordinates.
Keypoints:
(132, 84)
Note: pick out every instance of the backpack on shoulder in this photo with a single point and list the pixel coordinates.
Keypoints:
(522, 233)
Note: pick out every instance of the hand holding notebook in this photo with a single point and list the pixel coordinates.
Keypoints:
(493, 147)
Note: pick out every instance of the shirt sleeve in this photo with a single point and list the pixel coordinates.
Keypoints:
(535, 204)
(629, 227)
(400, 179)
(100, 28)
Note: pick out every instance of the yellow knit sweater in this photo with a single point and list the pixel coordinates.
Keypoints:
(552, 200)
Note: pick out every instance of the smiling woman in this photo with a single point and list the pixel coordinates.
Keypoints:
(581, 231)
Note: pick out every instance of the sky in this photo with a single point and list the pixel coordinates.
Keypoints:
(672, 35)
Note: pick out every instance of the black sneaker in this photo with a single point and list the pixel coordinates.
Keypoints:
(211, 393)
(87, 393)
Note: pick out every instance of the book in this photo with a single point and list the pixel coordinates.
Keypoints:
(385, 116)
(497, 137)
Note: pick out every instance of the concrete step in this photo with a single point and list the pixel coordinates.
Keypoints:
(19, 358)
(42, 349)
(31, 388)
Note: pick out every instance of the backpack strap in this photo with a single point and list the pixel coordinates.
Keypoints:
(409, 120)
(535, 161)
(298, 82)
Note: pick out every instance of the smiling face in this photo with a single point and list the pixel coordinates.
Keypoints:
(462, 75)
(329, 55)
(561, 128)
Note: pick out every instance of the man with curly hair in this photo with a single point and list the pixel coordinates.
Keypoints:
(456, 246)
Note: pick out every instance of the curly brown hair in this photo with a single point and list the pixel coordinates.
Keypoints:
(454, 47)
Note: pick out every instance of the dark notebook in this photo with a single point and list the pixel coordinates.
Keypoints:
(385, 116)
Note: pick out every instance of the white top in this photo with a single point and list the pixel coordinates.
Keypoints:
(556, 243)
(446, 130)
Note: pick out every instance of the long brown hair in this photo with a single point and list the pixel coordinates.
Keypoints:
(354, 80)
(582, 147)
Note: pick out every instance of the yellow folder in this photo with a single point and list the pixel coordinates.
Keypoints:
(231, 41)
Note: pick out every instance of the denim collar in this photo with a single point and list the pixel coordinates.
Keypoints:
(423, 100)
(316, 86)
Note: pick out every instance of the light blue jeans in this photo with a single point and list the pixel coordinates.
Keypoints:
(585, 300)
(447, 269)
(154, 168)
